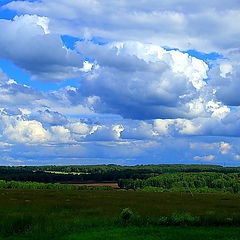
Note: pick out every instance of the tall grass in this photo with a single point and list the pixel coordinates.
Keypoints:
(52, 214)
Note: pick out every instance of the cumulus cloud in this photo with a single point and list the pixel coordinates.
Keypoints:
(49, 117)
(200, 126)
(167, 23)
(236, 157)
(220, 147)
(12, 93)
(67, 101)
(224, 78)
(145, 81)
(23, 131)
(138, 96)
(79, 128)
(105, 133)
(27, 41)
(224, 148)
(140, 130)
(204, 158)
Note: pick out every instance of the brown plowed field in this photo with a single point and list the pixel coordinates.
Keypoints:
(113, 185)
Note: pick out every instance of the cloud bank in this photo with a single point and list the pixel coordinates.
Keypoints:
(135, 82)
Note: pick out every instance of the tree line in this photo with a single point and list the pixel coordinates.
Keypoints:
(109, 172)
(201, 182)
(55, 186)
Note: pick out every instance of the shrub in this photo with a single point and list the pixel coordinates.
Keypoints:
(126, 214)
(184, 219)
(163, 220)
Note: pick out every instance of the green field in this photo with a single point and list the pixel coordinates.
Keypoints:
(73, 214)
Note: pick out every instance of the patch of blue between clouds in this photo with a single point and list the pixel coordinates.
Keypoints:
(70, 41)
(4, 2)
(9, 14)
(5, 13)
(206, 57)
(23, 78)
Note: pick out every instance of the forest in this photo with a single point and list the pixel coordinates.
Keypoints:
(111, 172)
(156, 178)
(192, 182)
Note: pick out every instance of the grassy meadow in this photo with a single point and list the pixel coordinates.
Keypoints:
(96, 214)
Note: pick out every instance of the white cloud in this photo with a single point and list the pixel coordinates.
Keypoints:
(205, 146)
(236, 157)
(162, 125)
(78, 128)
(29, 132)
(13, 94)
(139, 80)
(221, 147)
(105, 133)
(48, 117)
(60, 134)
(185, 25)
(225, 69)
(224, 78)
(141, 130)
(134, 98)
(224, 148)
(27, 42)
(204, 158)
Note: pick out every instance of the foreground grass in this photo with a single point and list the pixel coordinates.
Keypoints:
(161, 233)
(140, 233)
(86, 203)
(72, 214)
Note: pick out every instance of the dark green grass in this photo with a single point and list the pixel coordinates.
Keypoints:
(52, 214)
(110, 203)
(161, 233)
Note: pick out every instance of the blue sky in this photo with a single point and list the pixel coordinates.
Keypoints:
(123, 82)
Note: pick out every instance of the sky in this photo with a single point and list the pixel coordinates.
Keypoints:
(119, 82)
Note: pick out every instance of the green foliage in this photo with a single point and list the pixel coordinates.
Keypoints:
(109, 172)
(186, 182)
(58, 186)
(151, 189)
(126, 214)
(128, 217)
(184, 219)
(163, 220)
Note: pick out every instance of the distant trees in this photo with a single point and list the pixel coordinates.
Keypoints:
(201, 181)
(140, 175)
(56, 186)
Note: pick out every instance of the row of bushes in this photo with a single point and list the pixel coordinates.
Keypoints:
(128, 217)
(57, 186)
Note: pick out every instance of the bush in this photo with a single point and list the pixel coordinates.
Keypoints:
(128, 217)
(126, 214)
(184, 219)
(163, 220)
